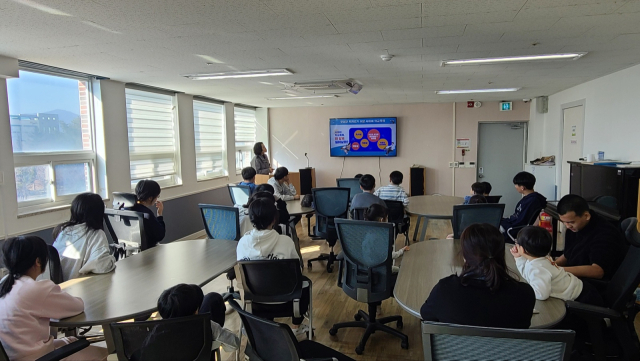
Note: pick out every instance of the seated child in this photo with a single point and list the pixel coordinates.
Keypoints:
(378, 213)
(529, 206)
(27, 305)
(81, 242)
(393, 191)
(147, 193)
(487, 188)
(543, 275)
(249, 179)
(477, 188)
(187, 300)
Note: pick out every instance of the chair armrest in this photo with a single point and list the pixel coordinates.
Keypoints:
(65, 351)
(590, 311)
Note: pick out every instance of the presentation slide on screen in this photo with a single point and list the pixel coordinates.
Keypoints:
(363, 137)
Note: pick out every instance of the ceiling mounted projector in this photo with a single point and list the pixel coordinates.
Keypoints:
(326, 86)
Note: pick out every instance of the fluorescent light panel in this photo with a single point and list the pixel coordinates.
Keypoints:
(239, 74)
(465, 91)
(513, 59)
(304, 97)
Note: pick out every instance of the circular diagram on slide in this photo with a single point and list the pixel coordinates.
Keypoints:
(382, 143)
(373, 135)
(355, 146)
(364, 143)
(358, 134)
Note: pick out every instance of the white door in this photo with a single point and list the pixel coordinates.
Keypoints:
(500, 157)
(572, 139)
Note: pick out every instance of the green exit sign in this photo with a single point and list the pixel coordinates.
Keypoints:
(506, 106)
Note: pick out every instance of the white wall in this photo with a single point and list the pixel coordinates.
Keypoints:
(116, 157)
(612, 117)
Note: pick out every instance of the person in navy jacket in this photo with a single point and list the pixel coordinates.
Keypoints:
(531, 203)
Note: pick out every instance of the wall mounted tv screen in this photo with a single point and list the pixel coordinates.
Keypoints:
(363, 137)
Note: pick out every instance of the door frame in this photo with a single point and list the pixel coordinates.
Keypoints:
(525, 143)
(577, 103)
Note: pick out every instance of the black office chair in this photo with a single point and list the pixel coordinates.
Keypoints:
(512, 233)
(352, 183)
(239, 194)
(358, 213)
(365, 275)
(222, 222)
(330, 203)
(620, 306)
(128, 228)
(449, 342)
(398, 218)
(182, 338)
(56, 355)
(468, 214)
(271, 341)
(276, 288)
(493, 199)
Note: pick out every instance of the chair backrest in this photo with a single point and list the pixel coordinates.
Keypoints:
(122, 200)
(468, 214)
(128, 227)
(54, 266)
(268, 340)
(352, 183)
(449, 342)
(182, 338)
(239, 194)
(278, 280)
(396, 211)
(620, 290)
(221, 222)
(365, 273)
(358, 213)
(330, 203)
(493, 199)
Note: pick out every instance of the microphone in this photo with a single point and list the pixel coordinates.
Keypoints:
(305, 154)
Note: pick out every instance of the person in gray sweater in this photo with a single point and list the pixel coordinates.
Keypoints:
(366, 198)
(260, 161)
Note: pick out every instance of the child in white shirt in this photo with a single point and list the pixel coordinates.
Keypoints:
(531, 253)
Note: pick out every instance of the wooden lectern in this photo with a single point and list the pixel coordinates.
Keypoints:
(303, 181)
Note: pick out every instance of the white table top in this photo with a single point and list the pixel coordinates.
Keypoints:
(433, 206)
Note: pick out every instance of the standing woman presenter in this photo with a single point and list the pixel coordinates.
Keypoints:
(260, 161)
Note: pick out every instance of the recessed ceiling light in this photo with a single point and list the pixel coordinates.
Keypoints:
(510, 59)
(304, 97)
(239, 74)
(464, 91)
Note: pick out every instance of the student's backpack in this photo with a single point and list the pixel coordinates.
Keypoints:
(307, 200)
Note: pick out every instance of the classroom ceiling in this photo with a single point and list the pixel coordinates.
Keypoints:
(154, 42)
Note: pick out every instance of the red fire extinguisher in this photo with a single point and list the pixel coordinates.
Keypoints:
(545, 221)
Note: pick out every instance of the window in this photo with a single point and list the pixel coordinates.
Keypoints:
(245, 125)
(52, 137)
(153, 137)
(211, 153)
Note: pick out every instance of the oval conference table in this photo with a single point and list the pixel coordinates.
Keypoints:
(133, 288)
(429, 261)
(431, 207)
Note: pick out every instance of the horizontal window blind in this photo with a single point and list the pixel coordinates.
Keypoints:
(245, 138)
(152, 137)
(245, 125)
(209, 126)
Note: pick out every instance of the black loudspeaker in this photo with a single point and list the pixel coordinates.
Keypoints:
(307, 180)
(417, 181)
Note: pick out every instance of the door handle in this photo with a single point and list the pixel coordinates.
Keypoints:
(480, 176)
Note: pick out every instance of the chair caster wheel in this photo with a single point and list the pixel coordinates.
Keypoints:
(333, 331)
(357, 317)
(329, 269)
(359, 350)
(404, 345)
(399, 324)
(309, 266)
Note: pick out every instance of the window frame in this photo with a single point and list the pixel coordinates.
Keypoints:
(225, 166)
(239, 150)
(50, 159)
(177, 176)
